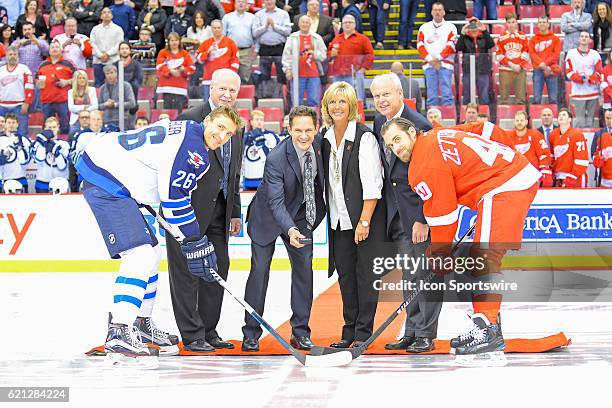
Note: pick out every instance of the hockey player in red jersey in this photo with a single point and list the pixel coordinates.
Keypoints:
(531, 144)
(570, 155)
(452, 167)
(602, 160)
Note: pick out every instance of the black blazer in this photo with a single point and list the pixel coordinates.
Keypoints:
(281, 194)
(295, 6)
(40, 27)
(204, 198)
(397, 193)
(325, 28)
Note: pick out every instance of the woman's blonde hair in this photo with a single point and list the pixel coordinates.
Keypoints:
(339, 89)
(75, 81)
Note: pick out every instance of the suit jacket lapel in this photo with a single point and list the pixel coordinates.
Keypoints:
(293, 160)
(320, 168)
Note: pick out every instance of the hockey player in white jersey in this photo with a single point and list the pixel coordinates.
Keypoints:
(15, 155)
(50, 155)
(158, 164)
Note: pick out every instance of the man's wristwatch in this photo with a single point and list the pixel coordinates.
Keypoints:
(364, 223)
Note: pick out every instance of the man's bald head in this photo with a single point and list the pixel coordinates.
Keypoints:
(397, 67)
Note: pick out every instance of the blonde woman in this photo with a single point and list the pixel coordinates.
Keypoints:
(81, 97)
(354, 179)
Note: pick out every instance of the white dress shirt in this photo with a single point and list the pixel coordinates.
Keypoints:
(370, 173)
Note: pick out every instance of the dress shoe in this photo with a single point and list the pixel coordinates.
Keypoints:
(199, 346)
(401, 344)
(342, 344)
(218, 343)
(302, 342)
(421, 345)
(358, 344)
(250, 345)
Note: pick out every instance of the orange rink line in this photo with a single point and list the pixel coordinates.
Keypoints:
(326, 323)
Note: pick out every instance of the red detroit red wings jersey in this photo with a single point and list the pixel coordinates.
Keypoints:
(451, 167)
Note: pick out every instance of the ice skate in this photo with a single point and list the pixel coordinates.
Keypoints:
(124, 348)
(167, 343)
(483, 345)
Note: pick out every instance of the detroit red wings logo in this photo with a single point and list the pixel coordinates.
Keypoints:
(218, 53)
(543, 45)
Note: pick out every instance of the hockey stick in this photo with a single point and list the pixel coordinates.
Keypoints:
(357, 351)
(335, 360)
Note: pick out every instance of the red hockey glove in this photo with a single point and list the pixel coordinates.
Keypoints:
(594, 78)
(598, 160)
(546, 179)
(576, 78)
(572, 181)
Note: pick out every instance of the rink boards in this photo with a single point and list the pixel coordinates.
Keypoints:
(59, 233)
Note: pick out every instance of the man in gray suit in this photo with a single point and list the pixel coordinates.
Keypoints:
(288, 203)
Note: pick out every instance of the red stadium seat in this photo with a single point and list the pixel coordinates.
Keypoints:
(173, 113)
(481, 109)
(361, 111)
(146, 93)
(508, 111)
(90, 73)
(531, 11)
(410, 102)
(36, 119)
(246, 92)
(498, 28)
(272, 114)
(448, 111)
(535, 111)
(503, 10)
(557, 10)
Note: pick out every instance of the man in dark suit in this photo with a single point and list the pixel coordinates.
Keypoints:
(288, 203)
(547, 118)
(292, 7)
(406, 225)
(325, 28)
(216, 201)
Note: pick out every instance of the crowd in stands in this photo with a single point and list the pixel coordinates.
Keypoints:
(59, 59)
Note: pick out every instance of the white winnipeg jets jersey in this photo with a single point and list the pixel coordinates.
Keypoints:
(160, 163)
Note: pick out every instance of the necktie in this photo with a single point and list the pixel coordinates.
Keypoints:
(226, 155)
(309, 190)
(547, 133)
(388, 154)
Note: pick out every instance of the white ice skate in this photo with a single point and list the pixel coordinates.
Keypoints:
(125, 349)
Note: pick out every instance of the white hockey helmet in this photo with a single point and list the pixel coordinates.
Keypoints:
(12, 187)
(59, 185)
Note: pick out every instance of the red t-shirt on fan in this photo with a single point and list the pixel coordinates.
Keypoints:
(308, 65)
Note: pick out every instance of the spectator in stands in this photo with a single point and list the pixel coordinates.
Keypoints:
(168, 6)
(292, 7)
(81, 97)
(491, 8)
(271, 28)
(144, 48)
(57, 18)
(434, 116)
(595, 144)
(310, 51)
(602, 28)
(476, 40)
(124, 17)
(108, 101)
(238, 25)
(321, 24)
(547, 120)
(257, 144)
(32, 50)
(285, 128)
(217, 52)
(174, 67)
(606, 82)
(408, 10)
(54, 80)
(133, 73)
(75, 47)
(34, 16)
(17, 90)
(378, 11)
(513, 57)
(471, 113)
(105, 40)
(14, 9)
(570, 154)
(51, 156)
(6, 36)
(436, 44)
(212, 9)
(544, 50)
(141, 121)
(583, 67)
(411, 87)
(573, 22)
(87, 14)
(349, 8)
(531, 144)
(80, 124)
(178, 22)
(350, 54)
(154, 18)
(455, 10)
(199, 30)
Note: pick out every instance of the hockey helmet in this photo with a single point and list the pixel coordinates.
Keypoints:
(59, 185)
(13, 187)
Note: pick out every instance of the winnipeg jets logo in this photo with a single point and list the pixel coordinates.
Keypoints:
(195, 159)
